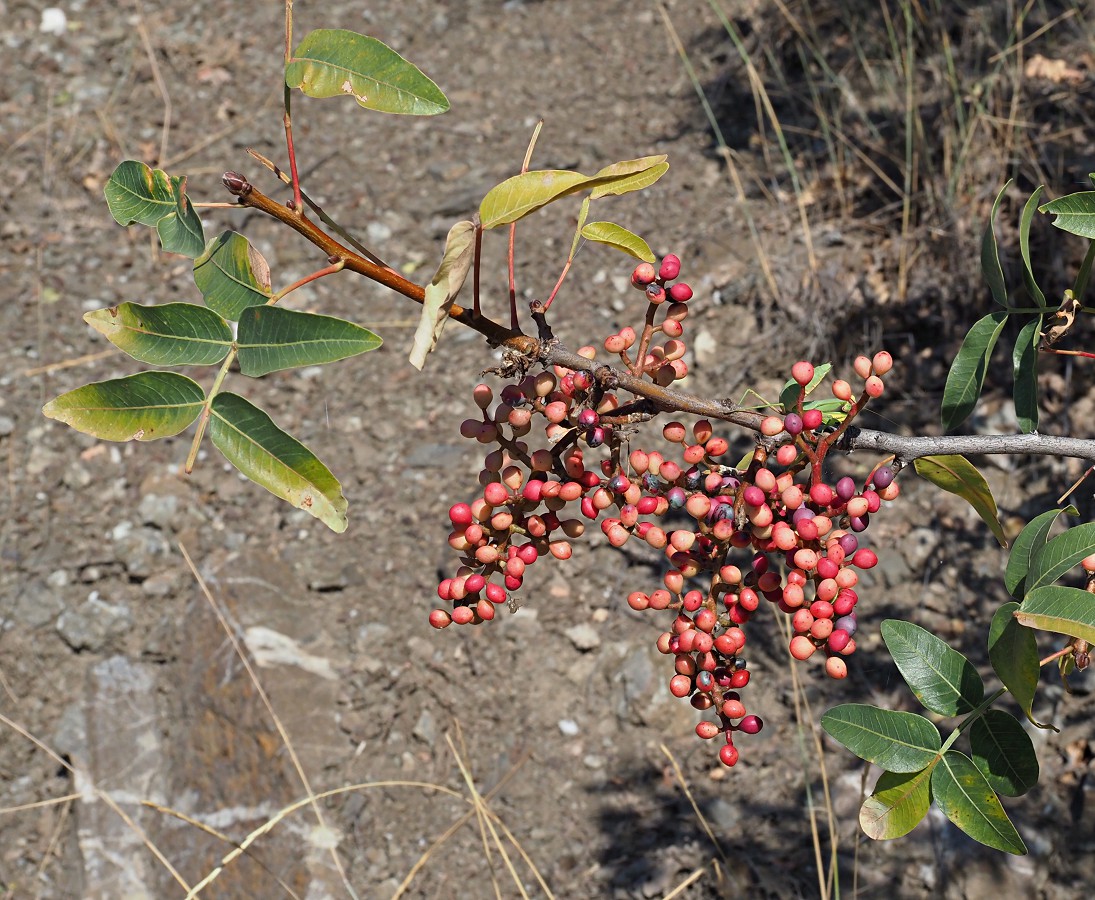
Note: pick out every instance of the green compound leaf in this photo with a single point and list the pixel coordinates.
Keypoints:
(965, 797)
(967, 373)
(619, 237)
(1004, 753)
(1065, 610)
(943, 680)
(337, 63)
(172, 334)
(1024, 361)
(232, 275)
(251, 441)
(957, 475)
(899, 802)
(142, 407)
(630, 175)
(1050, 561)
(442, 290)
(1013, 652)
(1031, 539)
(1024, 246)
(137, 193)
(896, 741)
(990, 257)
(271, 339)
(1075, 213)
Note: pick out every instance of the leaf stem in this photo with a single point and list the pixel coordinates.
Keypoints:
(336, 266)
(203, 418)
(287, 94)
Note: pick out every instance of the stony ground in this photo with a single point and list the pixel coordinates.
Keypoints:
(120, 680)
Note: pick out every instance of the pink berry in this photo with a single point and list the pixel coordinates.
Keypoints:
(862, 366)
(440, 619)
(882, 362)
(802, 647)
(680, 685)
(643, 275)
(835, 667)
(707, 730)
(874, 386)
(802, 372)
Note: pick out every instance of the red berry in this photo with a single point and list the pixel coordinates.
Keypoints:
(670, 267)
(739, 679)
(440, 619)
(811, 419)
(728, 755)
(680, 293)
(750, 725)
(643, 275)
(680, 685)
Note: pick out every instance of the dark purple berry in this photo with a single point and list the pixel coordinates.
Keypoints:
(792, 423)
(883, 478)
(845, 488)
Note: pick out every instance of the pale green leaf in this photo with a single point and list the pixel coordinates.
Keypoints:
(1064, 610)
(442, 290)
(899, 802)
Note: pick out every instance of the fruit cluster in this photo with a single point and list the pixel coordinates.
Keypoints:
(770, 528)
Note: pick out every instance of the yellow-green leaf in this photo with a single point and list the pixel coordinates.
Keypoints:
(630, 175)
(337, 63)
(142, 407)
(957, 475)
(899, 801)
(619, 237)
(251, 441)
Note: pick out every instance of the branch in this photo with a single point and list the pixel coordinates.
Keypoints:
(906, 449)
(549, 353)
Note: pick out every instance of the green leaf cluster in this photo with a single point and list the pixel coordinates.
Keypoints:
(919, 766)
(1075, 213)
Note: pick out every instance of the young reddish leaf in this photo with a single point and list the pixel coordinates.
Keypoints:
(337, 63)
(619, 237)
(1065, 610)
(271, 339)
(967, 373)
(442, 290)
(896, 741)
(251, 441)
(899, 802)
(957, 475)
(172, 334)
(941, 677)
(232, 275)
(142, 407)
(967, 799)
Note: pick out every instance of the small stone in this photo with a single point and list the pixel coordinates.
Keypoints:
(76, 477)
(584, 637)
(94, 623)
(53, 21)
(568, 727)
(37, 605)
(7, 425)
(425, 729)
